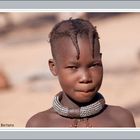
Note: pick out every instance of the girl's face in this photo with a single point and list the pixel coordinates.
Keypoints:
(80, 78)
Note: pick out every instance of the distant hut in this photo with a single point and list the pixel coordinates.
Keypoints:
(4, 81)
(6, 21)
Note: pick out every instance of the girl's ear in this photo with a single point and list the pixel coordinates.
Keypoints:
(52, 66)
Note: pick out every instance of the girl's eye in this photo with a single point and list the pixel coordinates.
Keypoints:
(96, 65)
(72, 67)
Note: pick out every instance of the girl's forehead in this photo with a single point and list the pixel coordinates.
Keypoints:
(66, 42)
(65, 48)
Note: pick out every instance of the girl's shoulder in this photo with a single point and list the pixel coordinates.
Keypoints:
(42, 119)
(121, 115)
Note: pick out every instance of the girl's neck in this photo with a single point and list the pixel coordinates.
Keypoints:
(67, 102)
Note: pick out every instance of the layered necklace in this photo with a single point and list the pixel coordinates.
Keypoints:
(81, 113)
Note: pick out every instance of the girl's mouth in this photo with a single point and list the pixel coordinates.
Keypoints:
(86, 90)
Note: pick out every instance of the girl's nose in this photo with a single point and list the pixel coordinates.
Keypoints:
(85, 77)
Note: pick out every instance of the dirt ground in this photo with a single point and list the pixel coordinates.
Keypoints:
(24, 54)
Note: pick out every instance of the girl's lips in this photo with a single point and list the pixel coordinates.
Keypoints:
(86, 90)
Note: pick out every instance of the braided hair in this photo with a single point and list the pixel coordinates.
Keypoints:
(72, 28)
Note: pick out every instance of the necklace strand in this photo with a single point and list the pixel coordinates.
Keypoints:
(81, 112)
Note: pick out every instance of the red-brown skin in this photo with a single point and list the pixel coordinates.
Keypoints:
(80, 80)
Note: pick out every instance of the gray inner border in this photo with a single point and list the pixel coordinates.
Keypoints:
(100, 4)
(44, 134)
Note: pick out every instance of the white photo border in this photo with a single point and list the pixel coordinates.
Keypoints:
(70, 133)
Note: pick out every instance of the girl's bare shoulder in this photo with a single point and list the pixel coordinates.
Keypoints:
(121, 115)
(42, 119)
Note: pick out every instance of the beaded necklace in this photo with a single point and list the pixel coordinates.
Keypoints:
(81, 112)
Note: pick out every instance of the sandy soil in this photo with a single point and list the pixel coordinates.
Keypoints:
(24, 54)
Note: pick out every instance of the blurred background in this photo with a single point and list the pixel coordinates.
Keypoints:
(26, 84)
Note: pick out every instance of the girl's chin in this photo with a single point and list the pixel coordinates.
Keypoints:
(81, 97)
(84, 99)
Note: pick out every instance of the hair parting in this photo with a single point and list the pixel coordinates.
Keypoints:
(73, 28)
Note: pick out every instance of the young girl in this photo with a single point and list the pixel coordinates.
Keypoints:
(77, 62)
